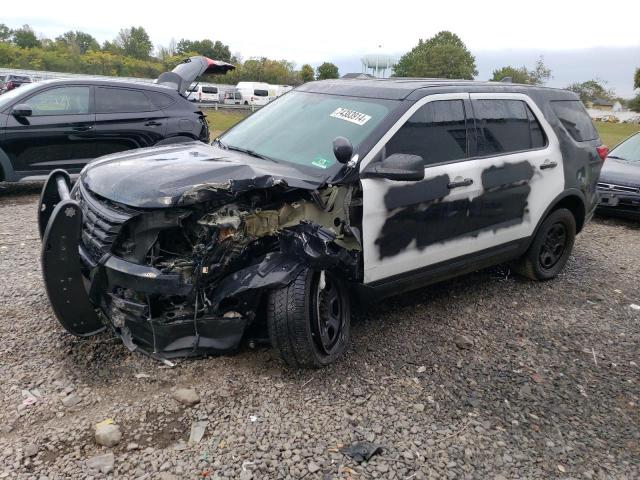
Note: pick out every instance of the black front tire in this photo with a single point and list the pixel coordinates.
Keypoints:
(309, 320)
(551, 247)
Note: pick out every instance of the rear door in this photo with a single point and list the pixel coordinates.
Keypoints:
(126, 118)
(483, 186)
(58, 134)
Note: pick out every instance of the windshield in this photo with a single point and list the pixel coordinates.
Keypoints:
(628, 150)
(300, 127)
(8, 98)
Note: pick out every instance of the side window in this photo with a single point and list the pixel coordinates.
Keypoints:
(61, 101)
(121, 100)
(575, 119)
(160, 100)
(261, 93)
(209, 90)
(437, 132)
(506, 126)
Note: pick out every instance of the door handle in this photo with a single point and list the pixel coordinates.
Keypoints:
(464, 183)
(548, 165)
(82, 128)
(152, 123)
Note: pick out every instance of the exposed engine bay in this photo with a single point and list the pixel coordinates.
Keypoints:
(222, 255)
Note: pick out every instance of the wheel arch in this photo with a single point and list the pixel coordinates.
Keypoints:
(572, 200)
(6, 169)
(182, 138)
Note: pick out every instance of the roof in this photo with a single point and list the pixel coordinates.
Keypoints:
(107, 82)
(397, 88)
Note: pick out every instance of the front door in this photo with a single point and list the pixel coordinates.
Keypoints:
(483, 185)
(58, 133)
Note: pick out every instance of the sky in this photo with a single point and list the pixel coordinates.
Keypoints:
(497, 32)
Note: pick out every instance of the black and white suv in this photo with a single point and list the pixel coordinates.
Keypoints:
(338, 188)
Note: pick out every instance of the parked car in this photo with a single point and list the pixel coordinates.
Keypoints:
(609, 119)
(334, 189)
(10, 81)
(203, 93)
(232, 98)
(67, 123)
(254, 93)
(619, 184)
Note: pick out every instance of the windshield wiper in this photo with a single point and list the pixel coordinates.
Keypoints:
(253, 153)
(617, 158)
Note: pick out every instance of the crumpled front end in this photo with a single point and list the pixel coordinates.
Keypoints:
(189, 280)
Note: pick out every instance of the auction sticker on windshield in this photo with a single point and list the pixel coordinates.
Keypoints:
(321, 162)
(351, 116)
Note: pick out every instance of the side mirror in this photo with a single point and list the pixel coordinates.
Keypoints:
(342, 149)
(399, 166)
(22, 110)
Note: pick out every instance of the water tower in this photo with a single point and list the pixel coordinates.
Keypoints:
(377, 64)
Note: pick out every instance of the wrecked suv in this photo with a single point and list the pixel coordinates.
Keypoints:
(337, 190)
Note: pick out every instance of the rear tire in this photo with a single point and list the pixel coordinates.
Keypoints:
(551, 247)
(309, 324)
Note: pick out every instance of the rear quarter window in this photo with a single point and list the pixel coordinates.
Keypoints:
(160, 100)
(575, 119)
(506, 126)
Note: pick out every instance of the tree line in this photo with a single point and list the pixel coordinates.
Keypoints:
(131, 53)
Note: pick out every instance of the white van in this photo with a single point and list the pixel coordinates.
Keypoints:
(203, 93)
(254, 93)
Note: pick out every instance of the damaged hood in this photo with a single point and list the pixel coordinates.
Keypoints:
(186, 173)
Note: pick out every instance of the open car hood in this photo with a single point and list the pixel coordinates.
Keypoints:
(191, 68)
(186, 173)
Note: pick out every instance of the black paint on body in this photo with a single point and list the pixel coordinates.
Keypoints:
(503, 204)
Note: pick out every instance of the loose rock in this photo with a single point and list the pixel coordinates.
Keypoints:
(101, 463)
(186, 396)
(108, 435)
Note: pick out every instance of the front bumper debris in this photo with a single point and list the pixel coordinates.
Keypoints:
(80, 289)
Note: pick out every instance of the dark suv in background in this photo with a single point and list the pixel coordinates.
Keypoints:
(67, 123)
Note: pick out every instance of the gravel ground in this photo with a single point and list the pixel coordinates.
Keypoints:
(546, 383)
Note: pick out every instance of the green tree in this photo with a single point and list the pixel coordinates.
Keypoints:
(591, 90)
(78, 41)
(442, 56)
(518, 75)
(636, 79)
(634, 103)
(538, 76)
(25, 37)
(216, 50)
(306, 73)
(134, 42)
(5, 33)
(327, 70)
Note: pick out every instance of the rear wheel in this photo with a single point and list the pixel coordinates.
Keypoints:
(551, 247)
(309, 319)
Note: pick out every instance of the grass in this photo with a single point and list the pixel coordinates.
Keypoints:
(613, 133)
(610, 133)
(221, 120)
